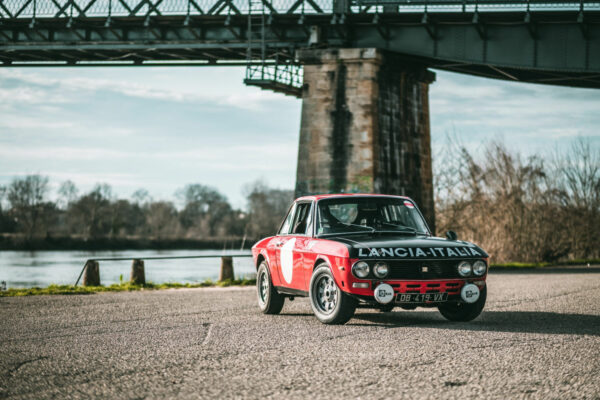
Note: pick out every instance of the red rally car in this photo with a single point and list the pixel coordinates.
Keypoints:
(376, 251)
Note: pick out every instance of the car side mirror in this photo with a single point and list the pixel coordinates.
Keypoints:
(451, 235)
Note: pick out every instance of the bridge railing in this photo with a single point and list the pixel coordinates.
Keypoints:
(140, 8)
(91, 269)
(144, 8)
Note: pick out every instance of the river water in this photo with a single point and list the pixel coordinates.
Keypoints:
(42, 268)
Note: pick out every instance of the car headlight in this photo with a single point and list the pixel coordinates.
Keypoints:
(360, 269)
(381, 270)
(479, 267)
(464, 268)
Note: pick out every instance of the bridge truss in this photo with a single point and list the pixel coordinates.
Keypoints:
(555, 42)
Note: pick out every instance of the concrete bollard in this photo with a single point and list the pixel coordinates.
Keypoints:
(226, 272)
(91, 274)
(138, 277)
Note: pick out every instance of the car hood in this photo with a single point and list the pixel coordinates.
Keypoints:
(419, 247)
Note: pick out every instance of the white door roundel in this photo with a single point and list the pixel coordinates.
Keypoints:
(286, 259)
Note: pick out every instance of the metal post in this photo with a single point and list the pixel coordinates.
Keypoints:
(91, 273)
(107, 23)
(226, 272)
(138, 277)
(32, 24)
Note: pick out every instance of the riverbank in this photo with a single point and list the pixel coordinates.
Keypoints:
(16, 242)
(125, 286)
(119, 287)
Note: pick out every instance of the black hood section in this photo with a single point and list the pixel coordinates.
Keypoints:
(408, 247)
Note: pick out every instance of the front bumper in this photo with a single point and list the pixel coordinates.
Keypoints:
(450, 286)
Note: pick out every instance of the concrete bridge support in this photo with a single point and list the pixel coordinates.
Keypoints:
(365, 126)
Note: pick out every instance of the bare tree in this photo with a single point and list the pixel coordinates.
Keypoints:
(27, 197)
(577, 173)
(522, 209)
(67, 194)
(141, 197)
(161, 220)
(266, 208)
(205, 210)
(91, 213)
(3, 190)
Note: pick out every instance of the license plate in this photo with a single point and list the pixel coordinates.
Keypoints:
(421, 297)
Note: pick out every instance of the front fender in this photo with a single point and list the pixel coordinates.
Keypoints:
(339, 267)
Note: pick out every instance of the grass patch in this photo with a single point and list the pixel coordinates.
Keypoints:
(594, 261)
(119, 287)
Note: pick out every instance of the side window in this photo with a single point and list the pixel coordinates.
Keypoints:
(301, 218)
(285, 228)
(309, 224)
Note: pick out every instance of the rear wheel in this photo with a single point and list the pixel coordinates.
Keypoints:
(269, 301)
(329, 303)
(463, 312)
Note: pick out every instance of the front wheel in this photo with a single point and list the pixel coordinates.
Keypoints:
(464, 312)
(329, 303)
(269, 301)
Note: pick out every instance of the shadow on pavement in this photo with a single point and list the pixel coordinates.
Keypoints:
(492, 321)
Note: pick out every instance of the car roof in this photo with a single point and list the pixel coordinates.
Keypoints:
(338, 195)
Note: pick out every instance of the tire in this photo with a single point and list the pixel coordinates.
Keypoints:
(464, 312)
(330, 305)
(269, 301)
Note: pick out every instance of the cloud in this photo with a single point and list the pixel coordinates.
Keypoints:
(214, 158)
(162, 128)
(250, 99)
(478, 109)
(59, 153)
(455, 90)
(20, 123)
(28, 95)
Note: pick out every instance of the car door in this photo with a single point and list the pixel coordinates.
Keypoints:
(302, 234)
(292, 246)
(274, 247)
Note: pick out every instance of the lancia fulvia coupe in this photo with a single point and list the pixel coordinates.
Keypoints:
(373, 251)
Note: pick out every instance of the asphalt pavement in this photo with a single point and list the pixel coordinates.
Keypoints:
(539, 337)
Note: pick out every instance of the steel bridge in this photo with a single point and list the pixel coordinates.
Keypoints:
(542, 41)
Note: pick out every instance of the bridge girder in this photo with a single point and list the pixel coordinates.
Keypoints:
(542, 46)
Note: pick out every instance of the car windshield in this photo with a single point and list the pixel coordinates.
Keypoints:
(369, 215)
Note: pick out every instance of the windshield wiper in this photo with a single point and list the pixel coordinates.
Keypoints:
(404, 228)
(365, 229)
(370, 228)
(342, 233)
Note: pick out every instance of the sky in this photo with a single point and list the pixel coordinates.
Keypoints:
(163, 128)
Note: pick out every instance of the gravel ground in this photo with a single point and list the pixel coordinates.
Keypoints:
(539, 337)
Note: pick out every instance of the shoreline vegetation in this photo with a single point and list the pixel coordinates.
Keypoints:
(128, 287)
(16, 242)
(120, 287)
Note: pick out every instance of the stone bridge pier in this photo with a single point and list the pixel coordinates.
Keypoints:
(365, 126)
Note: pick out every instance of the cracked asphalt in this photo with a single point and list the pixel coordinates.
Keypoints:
(539, 337)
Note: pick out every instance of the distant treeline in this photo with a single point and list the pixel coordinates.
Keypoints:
(98, 220)
(518, 209)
